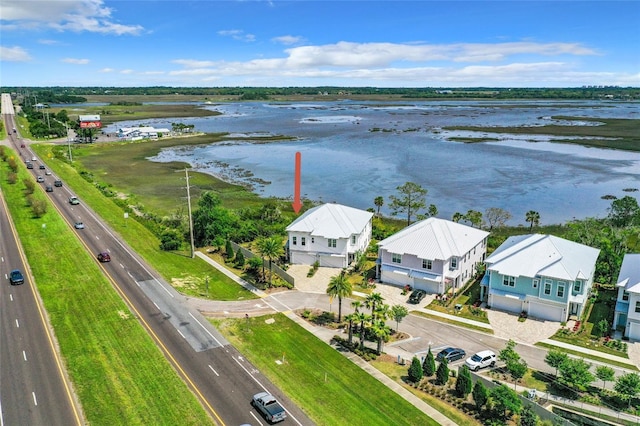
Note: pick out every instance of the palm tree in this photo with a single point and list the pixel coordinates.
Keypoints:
(373, 300)
(457, 217)
(383, 312)
(356, 305)
(379, 202)
(533, 217)
(339, 287)
(362, 318)
(273, 249)
(351, 318)
(381, 331)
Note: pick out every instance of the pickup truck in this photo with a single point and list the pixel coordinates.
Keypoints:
(269, 407)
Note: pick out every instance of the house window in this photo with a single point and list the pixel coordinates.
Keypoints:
(303, 241)
(638, 306)
(353, 239)
(426, 264)
(547, 287)
(313, 240)
(535, 283)
(560, 290)
(625, 296)
(509, 281)
(332, 242)
(294, 240)
(454, 262)
(577, 286)
(396, 258)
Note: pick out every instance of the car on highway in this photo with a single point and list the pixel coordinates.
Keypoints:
(34, 159)
(480, 360)
(49, 188)
(74, 200)
(104, 257)
(41, 167)
(16, 277)
(29, 165)
(57, 183)
(48, 173)
(40, 179)
(78, 225)
(450, 354)
(416, 296)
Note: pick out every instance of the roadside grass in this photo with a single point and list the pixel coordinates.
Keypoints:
(452, 322)
(186, 274)
(118, 373)
(317, 377)
(603, 359)
(397, 372)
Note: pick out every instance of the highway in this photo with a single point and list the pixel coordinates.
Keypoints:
(216, 372)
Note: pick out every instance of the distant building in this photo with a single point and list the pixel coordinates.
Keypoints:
(143, 132)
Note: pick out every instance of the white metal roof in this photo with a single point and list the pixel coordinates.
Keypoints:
(89, 117)
(434, 238)
(544, 255)
(629, 276)
(331, 221)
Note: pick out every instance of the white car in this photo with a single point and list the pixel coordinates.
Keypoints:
(480, 360)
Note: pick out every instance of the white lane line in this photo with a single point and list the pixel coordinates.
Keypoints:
(24, 355)
(181, 334)
(11, 297)
(161, 286)
(214, 371)
(35, 400)
(17, 323)
(203, 327)
(254, 416)
(156, 305)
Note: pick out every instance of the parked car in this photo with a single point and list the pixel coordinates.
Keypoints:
(16, 277)
(480, 360)
(40, 179)
(49, 188)
(78, 225)
(74, 200)
(104, 257)
(451, 354)
(57, 183)
(416, 296)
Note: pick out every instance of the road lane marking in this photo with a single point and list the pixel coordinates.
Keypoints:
(214, 371)
(254, 416)
(24, 355)
(203, 327)
(35, 400)
(11, 297)
(181, 334)
(17, 323)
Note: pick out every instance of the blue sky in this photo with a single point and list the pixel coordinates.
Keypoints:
(319, 43)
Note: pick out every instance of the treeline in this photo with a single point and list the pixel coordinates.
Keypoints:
(77, 94)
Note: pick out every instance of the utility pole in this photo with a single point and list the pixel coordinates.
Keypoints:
(68, 142)
(193, 248)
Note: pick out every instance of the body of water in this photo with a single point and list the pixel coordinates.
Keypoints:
(353, 152)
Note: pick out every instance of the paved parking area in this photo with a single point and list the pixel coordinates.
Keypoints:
(507, 326)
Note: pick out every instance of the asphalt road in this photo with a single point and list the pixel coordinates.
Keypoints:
(218, 375)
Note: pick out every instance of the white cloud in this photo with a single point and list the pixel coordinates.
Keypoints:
(237, 35)
(288, 39)
(193, 63)
(14, 54)
(76, 61)
(48, 42)
(68, 15)
(128, 71)
(107, 70)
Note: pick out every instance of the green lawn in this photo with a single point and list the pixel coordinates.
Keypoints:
(118, 373)
(331, 389)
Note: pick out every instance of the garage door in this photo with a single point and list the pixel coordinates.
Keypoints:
(546, 312)
(634, 331)
(298, 258)
(508, 304)
(395, 278)
(428, 286)
(332, 261)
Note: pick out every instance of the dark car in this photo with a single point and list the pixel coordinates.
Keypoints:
(58, 183)
(451, 354)
(104, 257)
(29, 165)
(41, 167)
(417, 296)
(16, 277)
(49, 188)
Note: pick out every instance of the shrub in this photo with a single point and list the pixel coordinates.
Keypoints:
(415, 370)
(240, 259)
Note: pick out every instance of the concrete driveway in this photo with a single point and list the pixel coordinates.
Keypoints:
(507, 326)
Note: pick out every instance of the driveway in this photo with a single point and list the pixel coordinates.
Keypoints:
(507, 326)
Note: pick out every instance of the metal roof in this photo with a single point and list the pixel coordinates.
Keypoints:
(331, 221)
(543, 255)
(629, 276)
(434, 238)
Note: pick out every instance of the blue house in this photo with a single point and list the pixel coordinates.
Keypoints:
(547, 277)
(627, 313)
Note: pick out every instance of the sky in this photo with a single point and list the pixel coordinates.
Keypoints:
(357, 43)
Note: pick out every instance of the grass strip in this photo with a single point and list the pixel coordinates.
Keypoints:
(602, 359)
(453, 322)
(188, 275)
(333, 390)
(119, 374)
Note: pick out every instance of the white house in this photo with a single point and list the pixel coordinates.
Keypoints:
(143, 132)
(434, 254)
(627, 312)
(545, 276)
(330, 234)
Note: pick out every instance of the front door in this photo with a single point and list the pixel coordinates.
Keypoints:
(573, 308)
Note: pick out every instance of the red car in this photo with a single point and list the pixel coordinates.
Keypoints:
(104, 257)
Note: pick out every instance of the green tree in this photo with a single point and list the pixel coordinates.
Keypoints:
(505, 401)
(474, 217)
(508, 354)
(464, 384)
(575, 374)
(381, 332)
(379, 202)
(442, 374)
(351, 318)
(457, 217)
(628, 386)
(399, 312)
(271, 248)
(340, 287)
(432, 211)
(240, 258)
(555, 358)
(624, 212)
(212, 223)
(533, 217)
(528, 417)
(228, 249)
(605, 373)
(170, 239)
(429, 364)
(602, 328)
(480, 394)
(411, 198)
(415, 370)
(517, 369)
(372, 301)
(496, 217)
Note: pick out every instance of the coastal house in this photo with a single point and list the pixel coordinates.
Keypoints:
(330, 234)
(547, 277)
(434, 255)
(143, 132)
(627, 312)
